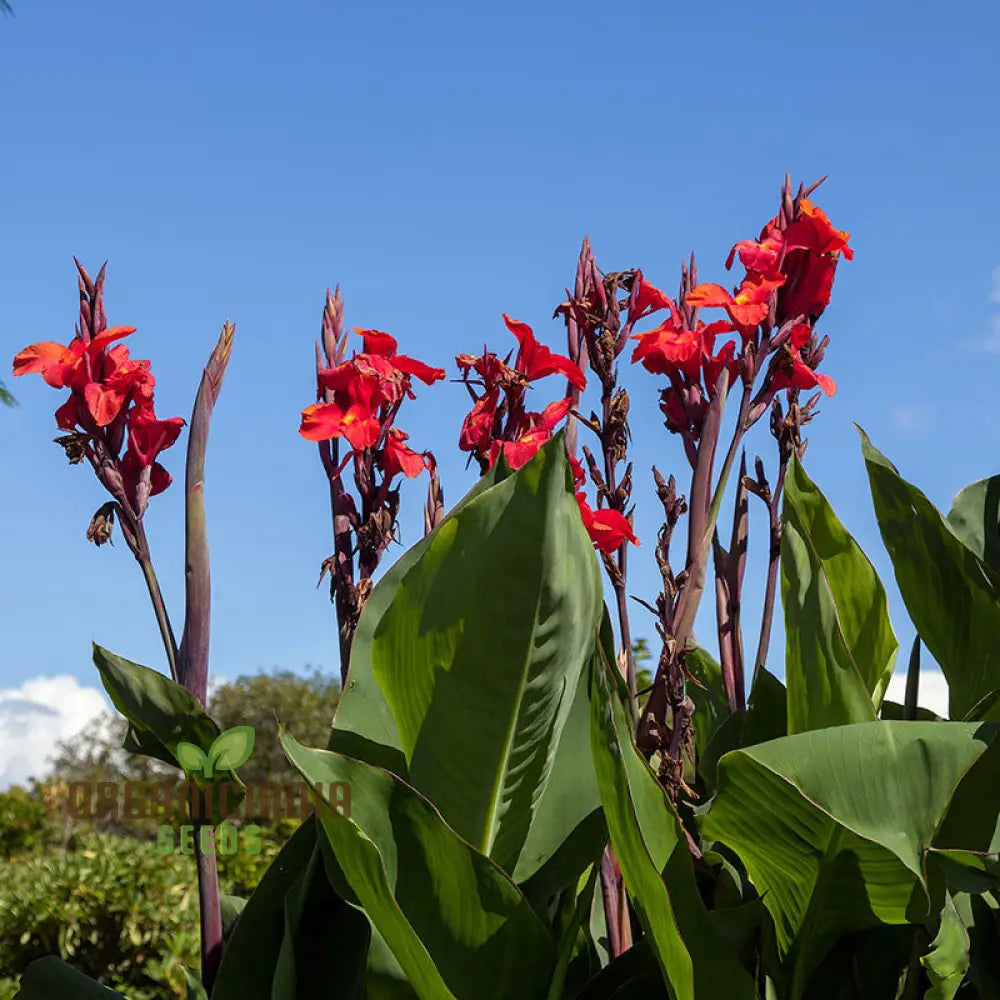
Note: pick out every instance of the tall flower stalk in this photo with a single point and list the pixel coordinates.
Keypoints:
(353, 423)
(111, 405)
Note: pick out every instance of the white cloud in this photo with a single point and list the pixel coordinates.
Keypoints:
(932, 692)
(912, 416)
(36, 716)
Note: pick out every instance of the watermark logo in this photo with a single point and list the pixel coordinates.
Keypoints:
(230, 750)
(205, 804)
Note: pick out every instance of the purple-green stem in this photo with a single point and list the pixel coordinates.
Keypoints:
(193, 658)
(774, 562)
(729, 570)
(156, 599)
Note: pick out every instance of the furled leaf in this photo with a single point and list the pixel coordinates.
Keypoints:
(839, 644)
(455, 923)
(468, 662)
(951, 594)
(833, 825)
(653, 855)
(52, 979)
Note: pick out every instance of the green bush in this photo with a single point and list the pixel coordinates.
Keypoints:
(24, 823)
(116, 909)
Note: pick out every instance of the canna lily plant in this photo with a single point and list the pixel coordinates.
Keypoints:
(527, 819)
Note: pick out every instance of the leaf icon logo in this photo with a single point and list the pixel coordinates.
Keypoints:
(229, 751)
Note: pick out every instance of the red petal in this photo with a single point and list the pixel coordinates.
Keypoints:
(108, 336)
(377, 342)
(410, 366)
(104, 403)
(708, 296)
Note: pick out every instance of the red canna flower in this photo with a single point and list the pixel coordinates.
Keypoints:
(712, 365)
(535, 360)
(397, 458)
(648, 300)
(747, 308)
(541, 425)
(148, 436)
(761, 256)
(383, 345)
(608, 529)
(478, 426)
(360, 387)
(794, 373)
(670, 349)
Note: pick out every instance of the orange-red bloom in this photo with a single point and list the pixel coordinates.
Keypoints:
(398, 458)
(669, 349)
(748, 307)
(794, 373)
(541, 425)
(383, 345)
(648, 300)
(535, 360)
(608, 529)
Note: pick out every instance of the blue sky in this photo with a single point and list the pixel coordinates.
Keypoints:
(442, 163)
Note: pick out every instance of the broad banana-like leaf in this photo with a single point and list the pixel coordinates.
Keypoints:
(839, 644)
(453, 920)
(951, 594)
(834, 825)
(468, 662)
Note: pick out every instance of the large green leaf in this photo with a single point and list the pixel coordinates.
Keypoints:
(839, 644)
(52, 979)
(834, 825)
(161, 712)
(952, 595)
(765, 718)
(469, 664)
(653, 855)
(454, 921)
(363, 725)
(975, 518)
(294, 939)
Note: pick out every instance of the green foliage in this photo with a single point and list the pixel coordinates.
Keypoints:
(25, 824)
(652, 851)
(840, 647)
(475, 692)
(112, 907)
(490, 756)
(951, 593)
